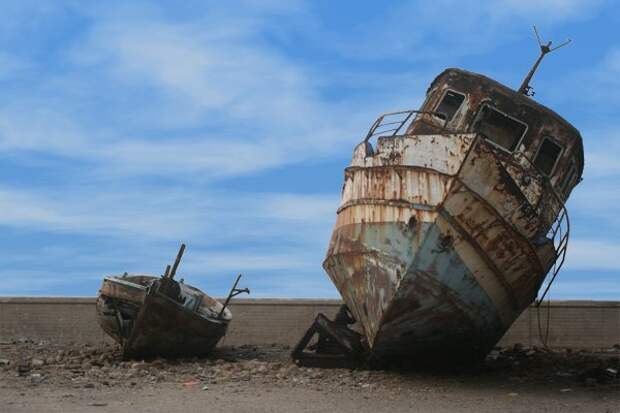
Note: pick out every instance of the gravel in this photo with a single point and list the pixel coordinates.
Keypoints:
(58, 370)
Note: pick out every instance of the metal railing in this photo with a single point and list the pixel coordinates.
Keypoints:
(389, 124)
(559, 230)
(559, 234)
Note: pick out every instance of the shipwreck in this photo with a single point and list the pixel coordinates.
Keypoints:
(159, 316)
(452, 216)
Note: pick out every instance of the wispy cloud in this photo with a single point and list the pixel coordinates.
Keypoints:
(593, 255)
(574, 289)
(162, 213)
(123, 130)
(443, 30)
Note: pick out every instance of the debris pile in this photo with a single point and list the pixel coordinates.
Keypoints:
(586, 367)
(27, 363)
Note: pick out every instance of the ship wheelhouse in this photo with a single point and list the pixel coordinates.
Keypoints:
(460, 101)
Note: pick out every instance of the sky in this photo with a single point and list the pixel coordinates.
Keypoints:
(127, 128)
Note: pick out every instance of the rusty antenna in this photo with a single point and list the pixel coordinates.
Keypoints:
(545, 48)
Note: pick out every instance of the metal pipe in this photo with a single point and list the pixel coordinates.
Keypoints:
(177, 261)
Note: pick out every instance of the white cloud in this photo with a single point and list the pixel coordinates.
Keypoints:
(228, 261)
(442, 30)
(223, 157)
(587, 289)
(179, 97)
(302, 207)
(205, 66)
(29, 128)
(595, 89)
(547, 10)
(592, 255)
(165, 213)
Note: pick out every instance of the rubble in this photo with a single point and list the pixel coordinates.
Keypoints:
(80, 366)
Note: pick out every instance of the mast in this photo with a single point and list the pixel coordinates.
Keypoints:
(525, 88)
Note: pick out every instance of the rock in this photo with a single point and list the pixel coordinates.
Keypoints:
(158, 364)
(37, 362)
(36, 378)
(139, 366)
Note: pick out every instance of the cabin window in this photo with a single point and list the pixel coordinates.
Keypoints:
(499, 128)
(569, 178)
(548, 154)
(449, 105)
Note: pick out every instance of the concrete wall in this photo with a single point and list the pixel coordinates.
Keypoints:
(576, 324)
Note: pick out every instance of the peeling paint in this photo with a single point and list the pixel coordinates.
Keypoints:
(442, 238)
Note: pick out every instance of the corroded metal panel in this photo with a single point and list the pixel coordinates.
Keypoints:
(441, 153)
(397, 183)
(438, 298)
(366, 262)
(423, 252)
(509, 255)
(485, 177)
(162, 327)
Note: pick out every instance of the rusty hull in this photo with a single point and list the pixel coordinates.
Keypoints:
(434, 254)
(442, 237)
(148, 323)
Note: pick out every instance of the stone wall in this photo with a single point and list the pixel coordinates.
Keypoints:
(576, 324)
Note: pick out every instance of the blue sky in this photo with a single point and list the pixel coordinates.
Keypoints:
(128, 127)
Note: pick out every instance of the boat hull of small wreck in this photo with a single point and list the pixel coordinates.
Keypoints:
(148, 323)
(437, 247)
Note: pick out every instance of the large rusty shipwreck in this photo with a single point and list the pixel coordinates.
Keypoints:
(451, 218)
(159, 316)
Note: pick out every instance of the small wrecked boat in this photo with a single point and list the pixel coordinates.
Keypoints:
(452, 216)
(159, 316)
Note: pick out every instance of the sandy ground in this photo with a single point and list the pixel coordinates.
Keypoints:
(39, 377)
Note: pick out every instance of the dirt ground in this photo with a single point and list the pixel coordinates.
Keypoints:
(41, 377)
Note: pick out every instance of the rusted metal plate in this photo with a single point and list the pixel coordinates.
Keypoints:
(131, 289)
(165, 328)
(440, 153)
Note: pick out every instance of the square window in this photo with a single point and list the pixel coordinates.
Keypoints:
(547, 156)
(449, 105)
(500, 128)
